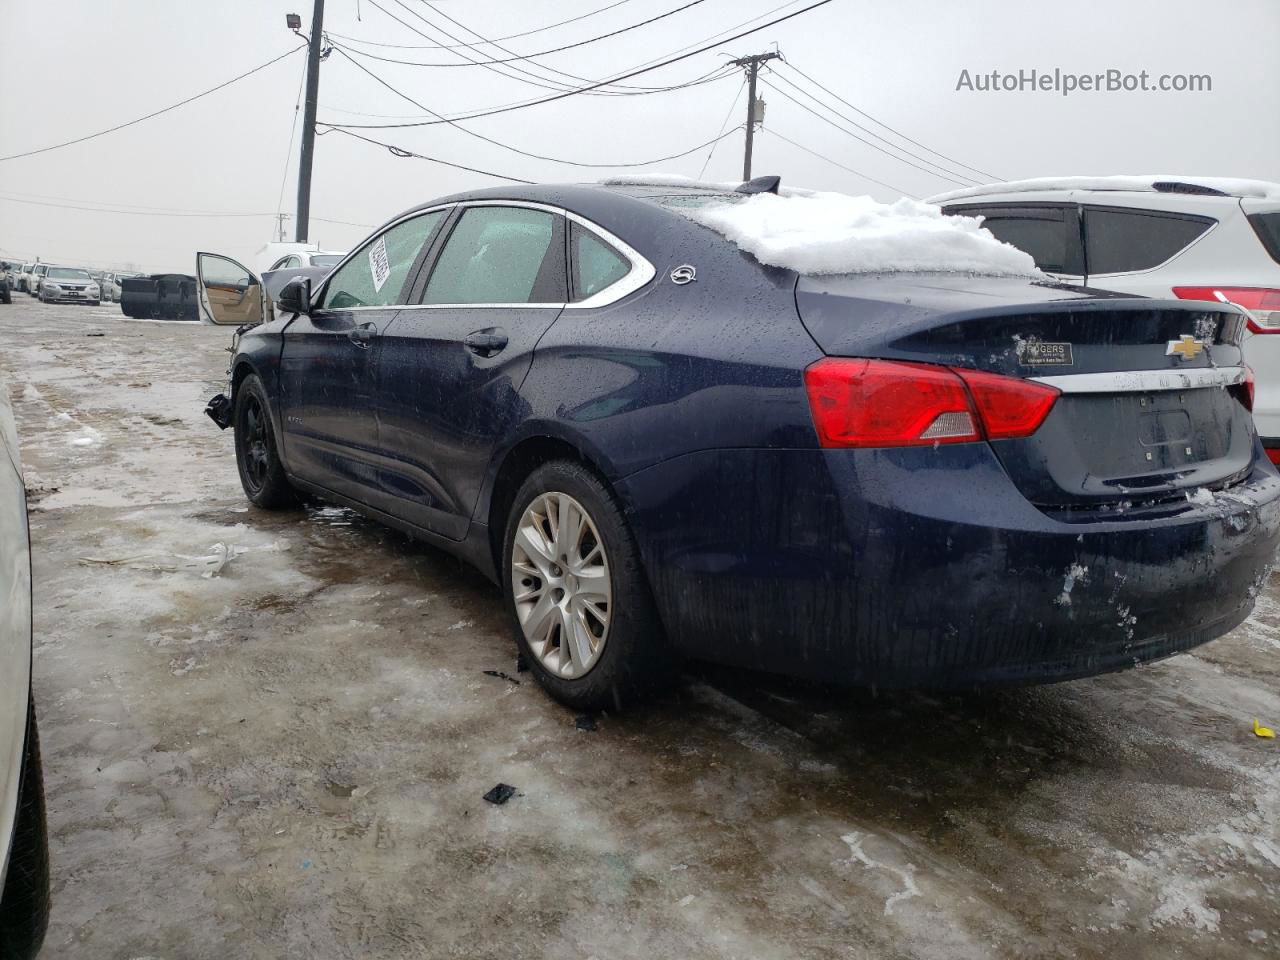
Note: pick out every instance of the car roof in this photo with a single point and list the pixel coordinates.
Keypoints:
(1145, 184)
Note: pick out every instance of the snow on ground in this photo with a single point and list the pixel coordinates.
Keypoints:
(832, 233)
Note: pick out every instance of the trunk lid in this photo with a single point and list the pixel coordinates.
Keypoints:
(1152, 390)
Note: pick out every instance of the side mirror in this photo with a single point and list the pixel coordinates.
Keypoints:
(295, 296)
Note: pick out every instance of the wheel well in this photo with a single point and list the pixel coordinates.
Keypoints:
(525, 457)
(243, 369)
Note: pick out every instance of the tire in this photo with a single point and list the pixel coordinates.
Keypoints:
(631, 659)
(261, 473)
(24, 904)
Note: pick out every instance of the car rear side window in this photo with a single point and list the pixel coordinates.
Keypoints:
(1267, 227)
(1044, 232)
(375, 275)
(500, 255)
(1123, 241)
(596, 265)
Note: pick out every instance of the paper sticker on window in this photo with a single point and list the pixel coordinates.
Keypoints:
(379, 266)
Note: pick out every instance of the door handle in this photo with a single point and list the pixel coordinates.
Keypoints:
(362, 335)
(486, 342)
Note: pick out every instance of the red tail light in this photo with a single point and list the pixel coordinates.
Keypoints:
(882, 403)
(1262, 303)
(1273, 455)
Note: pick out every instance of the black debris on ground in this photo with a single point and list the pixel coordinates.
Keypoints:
(522, 665)
(585, 722)
(501, 676)
(500, 794)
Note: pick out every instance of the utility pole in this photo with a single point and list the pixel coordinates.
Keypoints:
(280, 219)
(309, 123)
(752, 65)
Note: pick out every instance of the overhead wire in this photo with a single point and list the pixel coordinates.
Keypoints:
(855, 136)
(729, 113)
(815, 153)
(527, 153)
(512, 36)
(945, 171)
(401, 152)
(540, 53)
(624, 76)
(155, 113)
(897, 133)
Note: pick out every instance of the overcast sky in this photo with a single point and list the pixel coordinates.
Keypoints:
(68, 68)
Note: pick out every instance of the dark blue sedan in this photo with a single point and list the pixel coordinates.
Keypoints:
(661, 448)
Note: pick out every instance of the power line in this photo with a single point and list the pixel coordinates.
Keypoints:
(526, 153)
(729, 113)
(886, 126)
(180, 103)
(711, 77)
(719, 73)
(850, 133)
(401, 152)
(800, 146)
(513, 36)
(136, 213)
(540, 53)
(569, 93)
(946, 171)
(518, 74)
(293, 130)
(542, 66)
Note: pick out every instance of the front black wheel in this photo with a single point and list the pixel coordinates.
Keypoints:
(261, 473)
(24, 903)
(585, 620)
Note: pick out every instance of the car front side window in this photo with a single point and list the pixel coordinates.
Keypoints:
(375, 275)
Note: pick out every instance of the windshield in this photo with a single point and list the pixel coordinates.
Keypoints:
(68, 273)
(326, 259)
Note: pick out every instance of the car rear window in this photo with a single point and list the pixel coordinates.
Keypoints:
(1267, 227)
(1123, 241)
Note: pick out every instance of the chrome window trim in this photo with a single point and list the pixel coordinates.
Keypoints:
(1144, 381)
(641, 272)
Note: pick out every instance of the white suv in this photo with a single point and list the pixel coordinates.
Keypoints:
(1197, 238)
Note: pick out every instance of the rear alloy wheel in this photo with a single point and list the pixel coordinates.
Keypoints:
(584, 618)
(560, 578)
(261, 474)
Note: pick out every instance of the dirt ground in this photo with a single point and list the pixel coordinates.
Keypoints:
(283, 753)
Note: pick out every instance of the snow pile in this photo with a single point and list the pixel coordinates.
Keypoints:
(1258, 189)
(818, 233)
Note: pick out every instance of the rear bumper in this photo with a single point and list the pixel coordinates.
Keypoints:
(927, 568)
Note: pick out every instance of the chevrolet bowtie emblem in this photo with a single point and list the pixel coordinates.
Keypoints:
(1186, 347)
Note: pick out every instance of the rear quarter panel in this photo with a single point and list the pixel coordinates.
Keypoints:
(716, 363)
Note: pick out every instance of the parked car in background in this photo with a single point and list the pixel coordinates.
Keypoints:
(6, 284)
(24, 277)
(111, 285)
(1197, 238)
(24, 850)
(37, 275)
(69, 285)
(308, 258)
(659, 447)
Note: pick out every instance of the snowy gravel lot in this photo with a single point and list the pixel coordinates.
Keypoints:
(286, 756)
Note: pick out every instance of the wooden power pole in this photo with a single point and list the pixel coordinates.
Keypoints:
(309, 124)
(752, 65)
